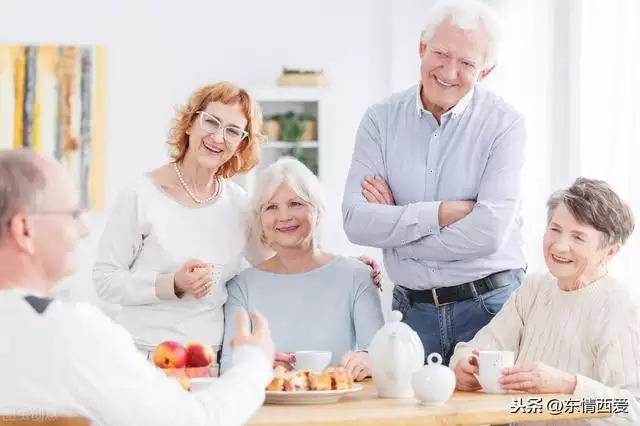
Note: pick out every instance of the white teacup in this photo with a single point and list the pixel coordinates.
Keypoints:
(491, 364)
(215, 272)
(316, 361)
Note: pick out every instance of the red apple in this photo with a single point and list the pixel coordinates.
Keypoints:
(199, 354)
(170, 354)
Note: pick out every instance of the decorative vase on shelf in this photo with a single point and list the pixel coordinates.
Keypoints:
(309, 127)
(271, 129)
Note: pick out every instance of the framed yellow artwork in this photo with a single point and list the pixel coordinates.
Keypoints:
(52, 100)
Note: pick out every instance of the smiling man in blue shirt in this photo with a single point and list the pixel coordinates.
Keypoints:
(435, 183)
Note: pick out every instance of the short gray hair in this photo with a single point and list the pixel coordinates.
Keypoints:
(301, 180)
(594, 203)
(466, 15)
(22, 182)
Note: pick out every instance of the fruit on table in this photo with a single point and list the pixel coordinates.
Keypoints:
(198, 372)
(192, 372)
(199, 354)
(170, 354)
(184, 362)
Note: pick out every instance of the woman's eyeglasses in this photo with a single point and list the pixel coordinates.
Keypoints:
(212, 124)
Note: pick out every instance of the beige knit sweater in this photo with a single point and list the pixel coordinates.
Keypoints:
(593, 332)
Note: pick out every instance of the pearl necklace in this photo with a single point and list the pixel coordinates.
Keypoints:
(191, 194)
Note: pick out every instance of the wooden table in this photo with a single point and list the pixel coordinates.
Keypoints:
(365, 408)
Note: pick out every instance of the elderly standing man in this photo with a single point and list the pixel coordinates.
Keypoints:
(434, 182)
(67, 359)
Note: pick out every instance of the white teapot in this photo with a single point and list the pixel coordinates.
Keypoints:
(396, 352)
(434, 383)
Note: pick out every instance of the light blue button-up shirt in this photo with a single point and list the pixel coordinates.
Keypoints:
(476, 153)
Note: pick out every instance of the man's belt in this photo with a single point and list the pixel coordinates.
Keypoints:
(447, 295)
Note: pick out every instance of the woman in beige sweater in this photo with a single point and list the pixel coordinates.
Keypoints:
(575, 330)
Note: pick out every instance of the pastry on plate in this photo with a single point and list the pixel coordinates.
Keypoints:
(277, 384)
(340, 378)
(320, 382)
(333, 378)
(296, 381)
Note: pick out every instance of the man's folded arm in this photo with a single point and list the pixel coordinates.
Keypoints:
(484, 231)
(379, 225)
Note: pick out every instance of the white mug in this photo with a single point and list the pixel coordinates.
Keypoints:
(316, 361)
(491, 364)
(215, 272)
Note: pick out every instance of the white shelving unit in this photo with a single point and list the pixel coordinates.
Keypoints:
(288, 94)
(290, 145)
(281, 100)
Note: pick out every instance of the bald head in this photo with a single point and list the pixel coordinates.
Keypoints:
(41, 219)
(23, 180)
(26, 179)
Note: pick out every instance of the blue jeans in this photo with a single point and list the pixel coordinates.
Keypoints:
(440, 329)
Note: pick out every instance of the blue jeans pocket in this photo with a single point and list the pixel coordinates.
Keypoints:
(492, 301)
(400, 301)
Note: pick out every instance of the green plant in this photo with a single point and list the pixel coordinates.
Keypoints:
(286, 71)
(308, 157)
(306, 117)
(292, 125)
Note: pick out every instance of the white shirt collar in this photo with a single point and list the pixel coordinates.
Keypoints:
(454, 112)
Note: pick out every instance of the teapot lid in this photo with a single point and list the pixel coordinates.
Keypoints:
(395, 316)
(395, 325)
(434, 358)
(396, 329)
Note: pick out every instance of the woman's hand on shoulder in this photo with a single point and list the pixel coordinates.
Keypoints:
(376, 271)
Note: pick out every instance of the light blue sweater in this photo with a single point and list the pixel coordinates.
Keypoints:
(335, 307)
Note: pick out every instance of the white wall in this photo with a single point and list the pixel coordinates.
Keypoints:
(158, 52)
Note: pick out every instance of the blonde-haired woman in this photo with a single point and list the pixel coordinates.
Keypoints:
(313, 299)
(178, 233)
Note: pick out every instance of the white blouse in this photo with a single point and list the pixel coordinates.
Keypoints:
(147, 238)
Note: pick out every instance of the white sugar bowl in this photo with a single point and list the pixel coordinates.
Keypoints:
(434, 383)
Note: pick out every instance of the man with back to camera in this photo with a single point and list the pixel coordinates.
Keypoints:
(71, 359)
(435, 182)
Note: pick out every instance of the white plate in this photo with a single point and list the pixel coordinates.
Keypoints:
(308, 397)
